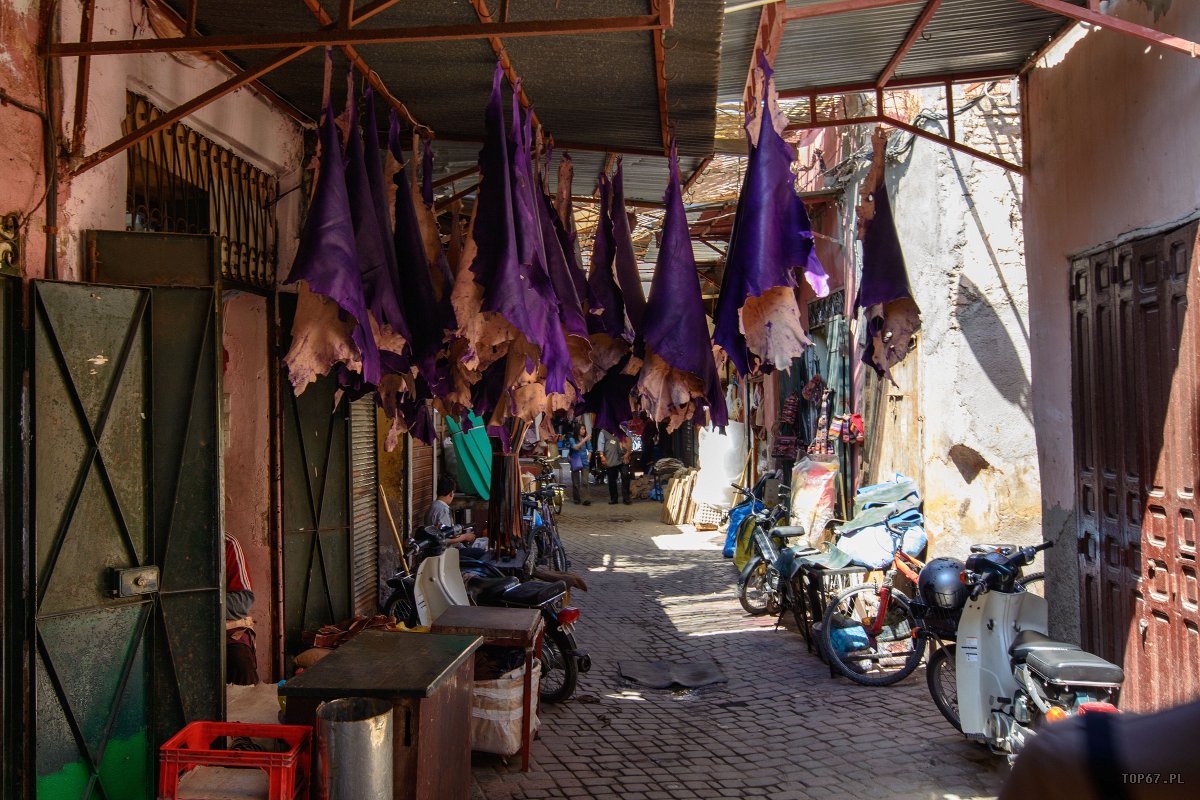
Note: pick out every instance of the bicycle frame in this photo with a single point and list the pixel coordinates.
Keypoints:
(906, 565)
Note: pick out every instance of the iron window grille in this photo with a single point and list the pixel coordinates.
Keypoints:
(181, 182)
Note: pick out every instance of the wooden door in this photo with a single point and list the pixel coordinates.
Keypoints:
(1134, 350)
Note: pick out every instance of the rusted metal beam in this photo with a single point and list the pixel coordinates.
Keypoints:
(660, 73)
(346, 15)
(269, 94)
(242, 78)
(950, 134)
(696, 173)
(357, 36)
(916, 131)
(363, 14)
(83, 73)
(458, 176)
(840, 7)
(914, 33)
(1094, 17)
(628, 203)
(767, 39)
(193, 105)
(572, 146)
(193, 9)
(977, 76)
(510, 72)
(446, 202)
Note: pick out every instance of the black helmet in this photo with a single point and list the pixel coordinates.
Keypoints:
(940, 585)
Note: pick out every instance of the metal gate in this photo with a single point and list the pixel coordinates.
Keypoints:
(1134, 349)
(127, 639)
(364, 489)
(317, 523)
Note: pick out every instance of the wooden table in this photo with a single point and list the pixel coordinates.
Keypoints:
(504, 627)
(428, 678)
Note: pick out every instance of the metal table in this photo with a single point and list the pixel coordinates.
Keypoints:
(505, 627)
(428, 678)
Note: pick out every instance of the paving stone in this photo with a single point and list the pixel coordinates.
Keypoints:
(780, 727)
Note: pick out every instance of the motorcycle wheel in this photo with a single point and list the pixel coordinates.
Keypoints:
(560, 672)
(1028, 582)
(753, 593)
(399, 606)
(942, 678)
(889, 658)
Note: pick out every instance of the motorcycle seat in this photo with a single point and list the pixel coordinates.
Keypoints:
(789, 531)
(532, 594)
(1028, 642)
(490, 588)
(1072, 667)
(396, 581)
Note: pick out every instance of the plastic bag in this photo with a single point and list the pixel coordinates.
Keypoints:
(872, 546)
(496, 710)
(814, 494)
(736, 515)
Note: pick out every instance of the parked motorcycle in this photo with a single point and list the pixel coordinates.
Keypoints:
(1004, 678)
(759, 584)
(431, 579)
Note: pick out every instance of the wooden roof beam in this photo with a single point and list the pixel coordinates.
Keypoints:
(356, 36)
(766, 42)
(914, 33)
(696, 173)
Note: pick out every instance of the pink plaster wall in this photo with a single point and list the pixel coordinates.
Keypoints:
(1114, 129)
(21, 157)
(247, 439)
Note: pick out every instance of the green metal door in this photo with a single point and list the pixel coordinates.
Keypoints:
(127, 637)
(317, 519)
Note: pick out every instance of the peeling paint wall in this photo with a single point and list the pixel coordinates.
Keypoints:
(1114, 125)
(971, 430)
(246, 432)
(244, 122)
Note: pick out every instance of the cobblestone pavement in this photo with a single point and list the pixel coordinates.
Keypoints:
(780, 728)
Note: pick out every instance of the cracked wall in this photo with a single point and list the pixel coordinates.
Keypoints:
(959, 222)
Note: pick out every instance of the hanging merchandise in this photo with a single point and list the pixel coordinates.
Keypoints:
(624, 257)
(566, 228)
(885, 298)
(608, 326)
(332, 325)
(570, 307)
(678, 380)
(503, 298)
(757, 317)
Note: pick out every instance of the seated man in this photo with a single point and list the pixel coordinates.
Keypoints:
(241, 660)
(441, 518)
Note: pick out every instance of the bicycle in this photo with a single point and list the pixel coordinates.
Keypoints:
(875, 635)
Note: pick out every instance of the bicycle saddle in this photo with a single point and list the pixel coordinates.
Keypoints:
(789, 531)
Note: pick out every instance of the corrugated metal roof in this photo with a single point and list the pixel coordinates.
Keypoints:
(596, 89)
(848, 48)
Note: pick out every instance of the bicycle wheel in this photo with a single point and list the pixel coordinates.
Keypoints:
(879, 659)
(550, 554)
(399, 605)
(560, 671)
(942, 678)
(752, 593)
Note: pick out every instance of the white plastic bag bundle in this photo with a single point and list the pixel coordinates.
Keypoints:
(496, 709)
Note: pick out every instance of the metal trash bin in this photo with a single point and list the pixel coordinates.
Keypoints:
(354, 749)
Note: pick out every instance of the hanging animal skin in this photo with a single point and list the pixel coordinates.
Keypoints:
(757, 319)
(332, 325)
(678, 380)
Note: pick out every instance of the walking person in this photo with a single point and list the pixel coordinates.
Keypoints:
(615, 451)
(579, 450)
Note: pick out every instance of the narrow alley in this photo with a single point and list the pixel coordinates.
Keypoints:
(780, 727)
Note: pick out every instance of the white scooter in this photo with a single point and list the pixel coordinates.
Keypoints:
(1008, 678)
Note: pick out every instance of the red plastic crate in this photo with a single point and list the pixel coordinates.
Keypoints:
(288, 773)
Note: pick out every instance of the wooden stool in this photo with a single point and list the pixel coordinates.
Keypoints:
(503, 627)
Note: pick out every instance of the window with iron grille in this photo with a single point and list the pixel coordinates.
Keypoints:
(182, 182)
